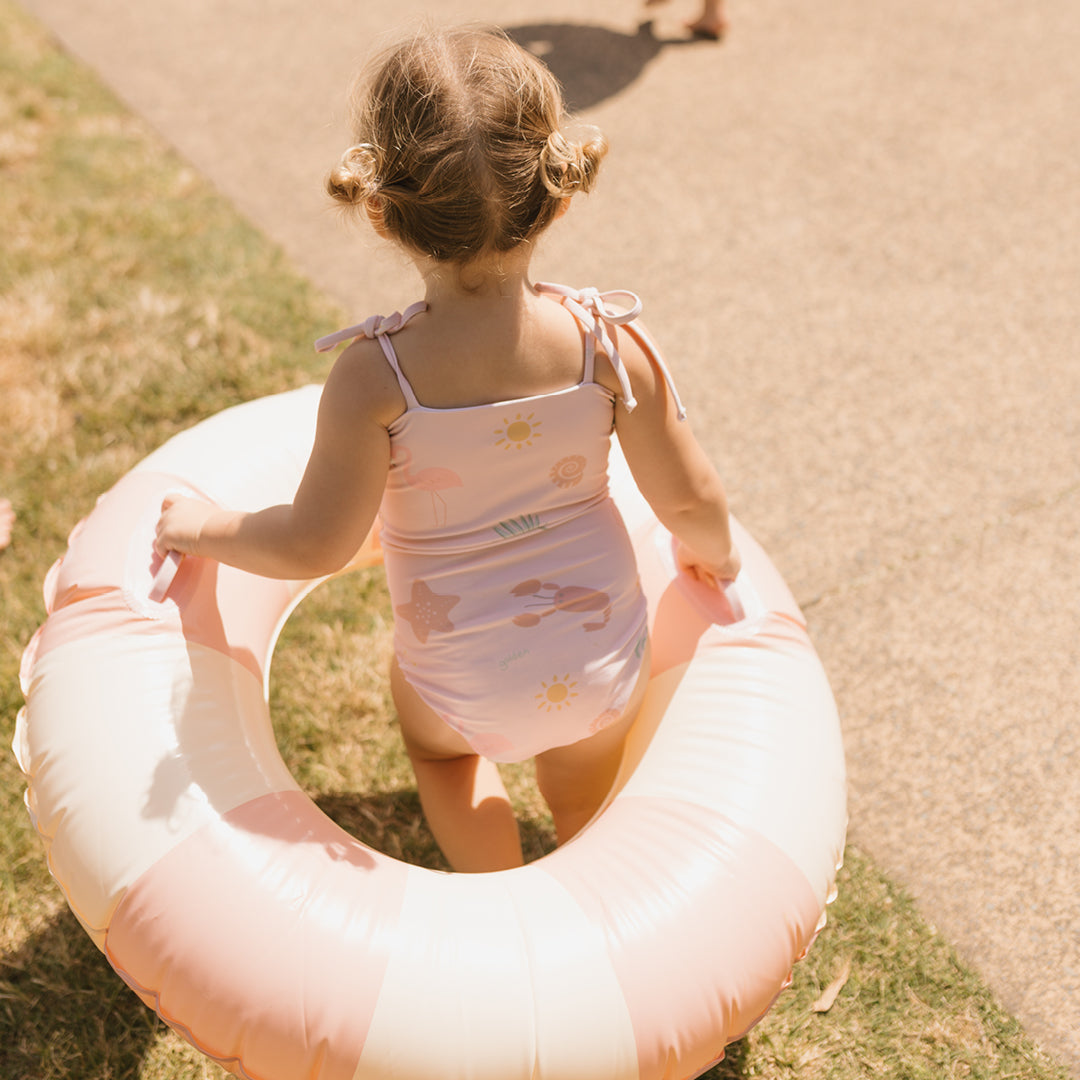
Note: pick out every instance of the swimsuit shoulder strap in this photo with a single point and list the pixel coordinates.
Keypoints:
(594, 310)
(380, 328)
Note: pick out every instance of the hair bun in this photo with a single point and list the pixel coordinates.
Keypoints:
(355, 179)
(569, 167)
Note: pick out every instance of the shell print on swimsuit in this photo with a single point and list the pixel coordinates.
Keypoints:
(635, 952)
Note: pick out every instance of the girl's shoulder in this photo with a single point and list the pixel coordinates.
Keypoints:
(364, 384)
(620, 338)
(636, 353)
(363, 379)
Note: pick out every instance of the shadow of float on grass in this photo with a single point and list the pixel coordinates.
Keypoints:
(394, 824)
(594, 63)
(64, 1012)
(733, 1067)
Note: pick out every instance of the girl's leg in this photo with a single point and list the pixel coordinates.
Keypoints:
(711, 23)
(576, 779)
(463, 796)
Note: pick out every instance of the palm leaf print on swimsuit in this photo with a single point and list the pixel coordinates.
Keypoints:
(519, 525)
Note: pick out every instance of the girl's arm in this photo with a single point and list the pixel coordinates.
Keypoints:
(672, 471)
(334, 506)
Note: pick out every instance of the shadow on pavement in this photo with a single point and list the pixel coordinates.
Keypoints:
(594, 63)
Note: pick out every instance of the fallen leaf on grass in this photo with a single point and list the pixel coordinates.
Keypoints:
(830, 993)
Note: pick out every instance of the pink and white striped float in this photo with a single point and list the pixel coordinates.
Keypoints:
(284, 949)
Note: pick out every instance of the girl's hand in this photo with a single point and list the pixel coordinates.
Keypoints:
(181, 524)
(712, 574)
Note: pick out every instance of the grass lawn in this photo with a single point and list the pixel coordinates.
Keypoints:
(135, 301)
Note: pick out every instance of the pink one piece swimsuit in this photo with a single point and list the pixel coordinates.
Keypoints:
(519, 617)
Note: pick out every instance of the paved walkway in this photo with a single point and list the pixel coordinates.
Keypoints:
(855, 228)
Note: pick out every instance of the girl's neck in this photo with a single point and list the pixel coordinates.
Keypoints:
(502, 278)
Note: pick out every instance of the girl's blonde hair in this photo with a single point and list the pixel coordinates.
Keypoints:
(460, 146)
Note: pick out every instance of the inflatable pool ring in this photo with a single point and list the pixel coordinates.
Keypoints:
(282, 947)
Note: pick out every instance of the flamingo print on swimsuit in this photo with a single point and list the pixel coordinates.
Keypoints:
(432, 479)
(571, 598)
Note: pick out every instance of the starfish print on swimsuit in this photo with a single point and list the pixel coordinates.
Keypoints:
(427, 611)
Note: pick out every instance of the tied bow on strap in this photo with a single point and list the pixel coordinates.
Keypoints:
(595, 310)
(599, 303)
(376, 326)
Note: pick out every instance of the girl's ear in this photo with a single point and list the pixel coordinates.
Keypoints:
(564, 205)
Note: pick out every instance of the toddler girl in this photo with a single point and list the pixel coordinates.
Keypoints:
(477, 424)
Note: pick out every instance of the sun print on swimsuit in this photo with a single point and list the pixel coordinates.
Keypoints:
(519, 432)
(558, 694)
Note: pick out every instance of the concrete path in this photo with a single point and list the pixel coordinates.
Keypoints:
(855, 227)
